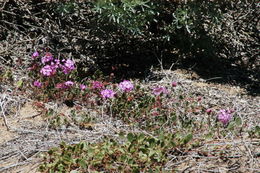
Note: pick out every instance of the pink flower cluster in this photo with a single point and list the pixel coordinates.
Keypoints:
(126, 86)
(97, 85)
(35, 55)
(68, 66)
(65, 85)
(47, 58)
(48, 70)
(37, 84)
(160, 90)
(51, 65)
(224, 116)
(107, 93)
(82, 87)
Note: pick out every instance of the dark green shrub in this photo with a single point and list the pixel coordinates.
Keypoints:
(105, 33)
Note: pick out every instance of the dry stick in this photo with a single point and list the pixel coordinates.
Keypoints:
(14, 165)
(3, 6)
(5, 121)
(3, 113)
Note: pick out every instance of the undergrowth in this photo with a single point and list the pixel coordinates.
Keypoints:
(175, 121)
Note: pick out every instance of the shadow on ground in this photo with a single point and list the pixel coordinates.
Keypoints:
(215, 70)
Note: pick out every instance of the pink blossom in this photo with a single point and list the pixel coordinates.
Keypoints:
(174, 84)
(33, 67)
(56, 63)
(126, 86)
(224, 116)
(97, 85)
(48, 70)
(47, 58)
(230, 111)
(37, 84)
(209, 111)
(60, 86)
(107, 93)
(64, 85)
(69, 83)
(82, 86)
(159, 90)
(35, 54)
(68, 66)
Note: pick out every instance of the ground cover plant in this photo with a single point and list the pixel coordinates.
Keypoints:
(166, 112)
(70, 99)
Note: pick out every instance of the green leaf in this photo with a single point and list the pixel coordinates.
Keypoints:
(141, 137)
(83, 164)
(187, 138)
(91, 152)
(257, 131)
(19, 84)
(231, 126)
(238, 121)
(151, 141)
(121, 134)
(130, 137)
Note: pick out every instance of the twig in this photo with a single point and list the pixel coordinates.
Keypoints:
(14, 165)
(213, 78)
(3, 112)
(3, 6)
(5, 121)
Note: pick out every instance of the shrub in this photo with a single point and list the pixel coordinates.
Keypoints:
(140, 31)
(138, 153)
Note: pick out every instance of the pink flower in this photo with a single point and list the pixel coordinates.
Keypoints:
(126, 86)
(56, 63)
(69, 83)
(209, 111)
(37, 84)
(60, 86)
(97, 85)
(35, 54)
(48, 70)
(224, 116)
(68, 66)
(64, 85)
(174, 84)
(230, 111)
(47, 58)
(33, 67)
(107, 93)
(159, 90)
(82, 86)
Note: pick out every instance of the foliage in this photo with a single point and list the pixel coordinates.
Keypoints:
(173, 24)
(138, 153)
(130, 16)
(141, 31)
(255, 132)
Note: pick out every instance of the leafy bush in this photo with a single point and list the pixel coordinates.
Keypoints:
(140, 31)
(202, 30)
(138, 153)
